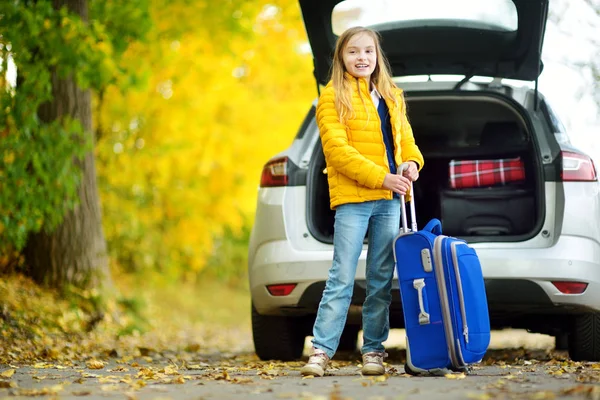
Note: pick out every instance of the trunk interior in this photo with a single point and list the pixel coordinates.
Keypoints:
(454, 129)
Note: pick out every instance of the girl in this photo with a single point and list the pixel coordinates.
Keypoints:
(365, 134)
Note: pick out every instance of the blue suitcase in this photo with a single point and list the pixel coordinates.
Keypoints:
(443, 296)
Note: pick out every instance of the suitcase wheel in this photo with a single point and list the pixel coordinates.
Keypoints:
(431, 372)
(409, 371)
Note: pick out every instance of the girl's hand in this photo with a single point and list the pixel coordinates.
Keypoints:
(396, 183)
(412, 172)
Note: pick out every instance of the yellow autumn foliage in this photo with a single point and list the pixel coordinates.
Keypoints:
(179, 159)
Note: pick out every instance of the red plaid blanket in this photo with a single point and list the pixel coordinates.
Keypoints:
(477, 173)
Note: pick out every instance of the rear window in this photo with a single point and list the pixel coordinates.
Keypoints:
(305, 124)
(385, 14)
(557, 127)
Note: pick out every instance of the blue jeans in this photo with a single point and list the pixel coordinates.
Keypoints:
(382, 218)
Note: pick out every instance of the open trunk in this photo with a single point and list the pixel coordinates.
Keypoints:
(454, 128)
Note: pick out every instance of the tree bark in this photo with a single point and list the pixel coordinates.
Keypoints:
(74, 253)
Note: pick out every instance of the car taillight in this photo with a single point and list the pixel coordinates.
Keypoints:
(570, 287)
(577, 167)
(275, 173)
(281, 290)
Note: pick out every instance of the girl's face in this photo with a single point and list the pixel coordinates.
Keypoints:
(360, 56)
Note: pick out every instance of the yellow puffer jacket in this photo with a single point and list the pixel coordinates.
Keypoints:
(355, 154)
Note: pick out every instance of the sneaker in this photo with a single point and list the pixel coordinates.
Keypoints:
(317, 363)
(373, 363)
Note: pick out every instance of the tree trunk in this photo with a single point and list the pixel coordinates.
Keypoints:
(75, 253)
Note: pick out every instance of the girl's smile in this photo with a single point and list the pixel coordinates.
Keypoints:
(360, 56)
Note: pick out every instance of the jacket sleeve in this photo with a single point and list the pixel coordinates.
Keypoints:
(410, 150)
(338, 152)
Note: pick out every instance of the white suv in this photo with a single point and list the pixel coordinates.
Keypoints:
(538, 239)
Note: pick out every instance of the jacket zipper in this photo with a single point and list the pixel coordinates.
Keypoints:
(385, 157)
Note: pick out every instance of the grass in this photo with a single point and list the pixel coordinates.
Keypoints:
(210, 302)
(38, 324)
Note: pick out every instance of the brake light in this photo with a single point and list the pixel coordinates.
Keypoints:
(275, 173)
(577, 167)
(281, 290)
(570, 287)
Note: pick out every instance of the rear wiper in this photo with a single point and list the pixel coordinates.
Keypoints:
(463, 81)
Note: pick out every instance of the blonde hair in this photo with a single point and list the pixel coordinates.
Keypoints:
(381, 76)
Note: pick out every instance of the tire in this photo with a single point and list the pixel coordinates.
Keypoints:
(349, 338)
(584, 340)
(277, 338)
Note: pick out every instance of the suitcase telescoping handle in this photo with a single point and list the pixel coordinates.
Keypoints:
(413, 214)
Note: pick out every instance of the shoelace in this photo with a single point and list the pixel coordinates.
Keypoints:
(318, 358)
(375, 357)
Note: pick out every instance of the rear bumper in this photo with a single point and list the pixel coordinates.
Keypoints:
(518, 280)
(572, 258)
(527, 306)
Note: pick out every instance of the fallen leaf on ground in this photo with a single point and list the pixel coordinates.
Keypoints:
(591, 392)
(380, 378)
(95, 364)
(543, 395)
(109, 388)
(243, 380)
(120, 368)
(193, 347)
(40, 392)
(456, 376)
(196, 366)
(82, 393)
(146, 373)
(8, 373)
(169, 370)
(108, 379)
(138, 384)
